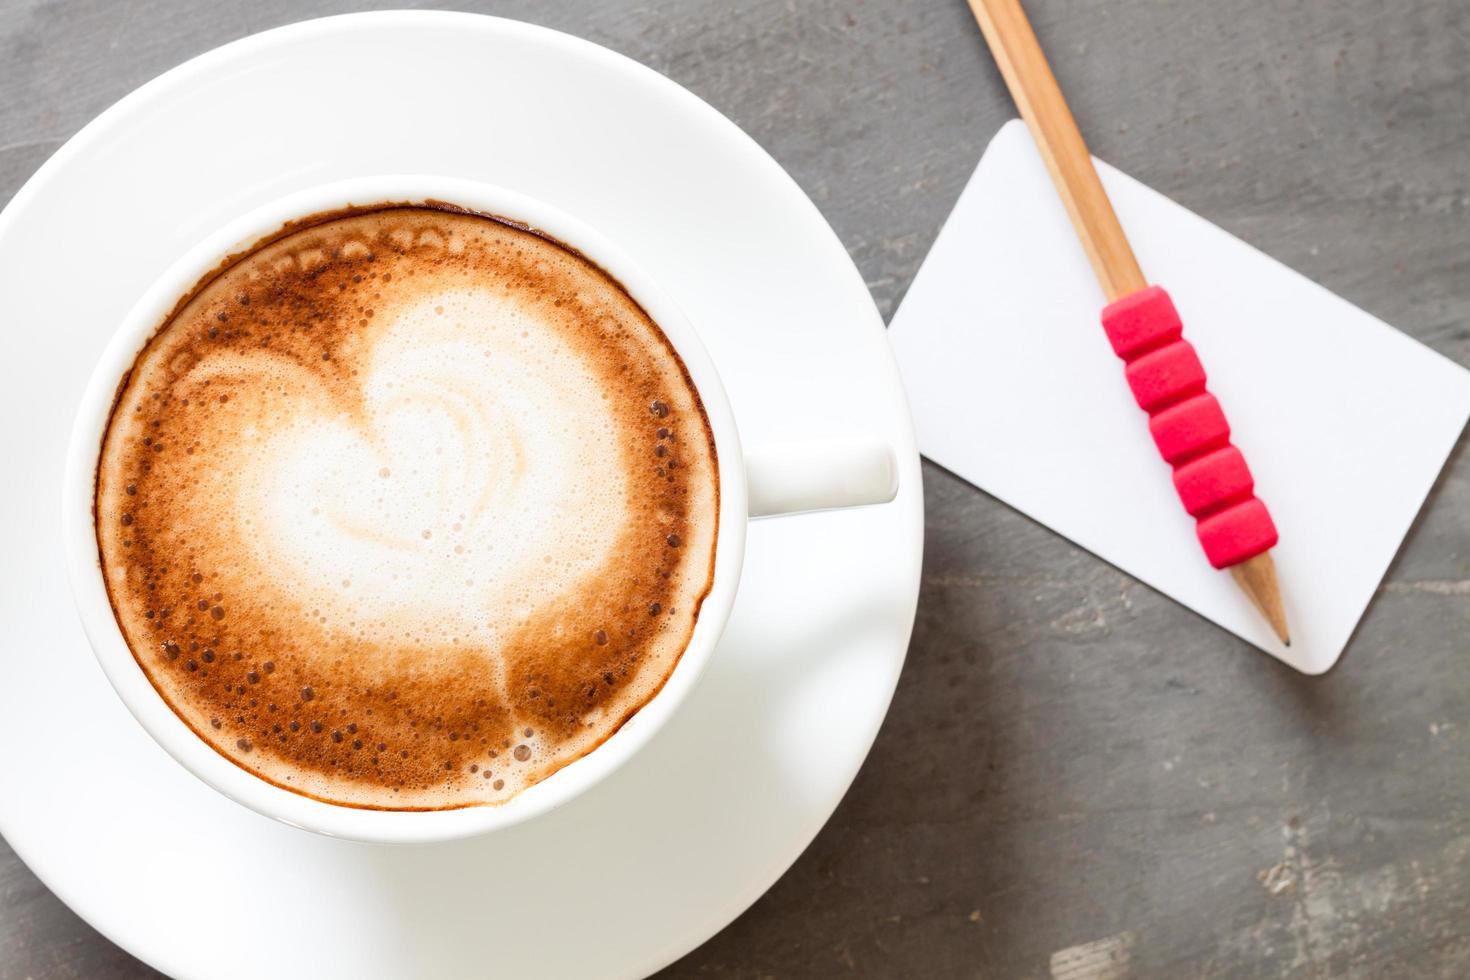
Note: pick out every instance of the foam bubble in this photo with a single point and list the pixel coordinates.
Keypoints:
(399, 463)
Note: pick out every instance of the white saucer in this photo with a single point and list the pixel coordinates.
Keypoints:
(675, 845)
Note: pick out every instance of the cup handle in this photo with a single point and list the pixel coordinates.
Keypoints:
(789, 478)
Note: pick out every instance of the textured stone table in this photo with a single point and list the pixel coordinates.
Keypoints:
(1038, 804)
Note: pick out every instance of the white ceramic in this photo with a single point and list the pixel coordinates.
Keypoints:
(787, 478)
(661, 854)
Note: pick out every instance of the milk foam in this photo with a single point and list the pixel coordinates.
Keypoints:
(477, 488)
(408, 509)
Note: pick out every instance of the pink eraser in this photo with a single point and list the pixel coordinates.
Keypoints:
(1182, 430)
(1164, 375)
(1189, 427)
(1237, 533)
(1213, 479)
(1141, 320)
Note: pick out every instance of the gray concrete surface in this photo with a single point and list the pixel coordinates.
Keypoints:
(1037, 804)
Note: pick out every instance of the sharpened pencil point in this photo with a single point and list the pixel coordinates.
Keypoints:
(1257, 577)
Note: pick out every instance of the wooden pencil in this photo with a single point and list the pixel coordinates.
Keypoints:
(1234, 526)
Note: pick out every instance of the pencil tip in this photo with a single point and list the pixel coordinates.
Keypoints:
(1257, 577)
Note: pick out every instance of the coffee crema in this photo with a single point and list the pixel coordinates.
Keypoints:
(407, 508)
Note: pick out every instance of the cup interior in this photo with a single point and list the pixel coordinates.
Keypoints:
(128, 678)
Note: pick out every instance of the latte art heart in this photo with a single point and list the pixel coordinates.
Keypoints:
(407, 508)
(461, 486)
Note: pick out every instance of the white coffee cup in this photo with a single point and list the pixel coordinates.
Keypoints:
(753, 483)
